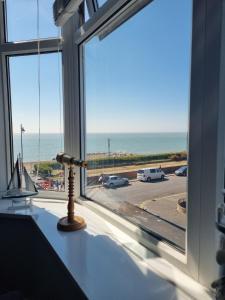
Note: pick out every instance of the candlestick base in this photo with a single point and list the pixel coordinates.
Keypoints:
(77, 224)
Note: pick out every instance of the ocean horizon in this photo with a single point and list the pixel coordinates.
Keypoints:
(136, 143)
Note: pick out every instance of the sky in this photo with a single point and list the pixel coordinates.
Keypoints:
(24, 69)
(136, 79)
(24, 93)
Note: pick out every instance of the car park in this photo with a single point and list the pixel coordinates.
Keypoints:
(182, 171)
(114, 181)
(149, 174)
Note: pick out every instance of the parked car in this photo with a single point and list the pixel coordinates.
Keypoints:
(114, 181)
(149, 174)
(182, 171)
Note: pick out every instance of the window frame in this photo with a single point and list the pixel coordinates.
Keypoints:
(9, 49)
(83, 35)
(199, 261)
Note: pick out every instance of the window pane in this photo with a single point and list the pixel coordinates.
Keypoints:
(25, 110)
(137, 106)
(101, 2)
(22, 19)
(86, 14)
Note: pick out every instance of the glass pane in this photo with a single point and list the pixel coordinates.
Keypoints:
(137, 107)
(86, 14)
(101, 2)
(46, 173)
(22, 19)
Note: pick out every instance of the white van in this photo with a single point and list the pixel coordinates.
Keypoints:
(148, 174)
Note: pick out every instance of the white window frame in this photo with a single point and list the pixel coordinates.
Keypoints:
(206, 177)
(9, 49)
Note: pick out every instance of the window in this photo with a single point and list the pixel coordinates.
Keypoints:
(101, 2)
(106, 58)
(46, 173)
(86, 13)
(22, 15)
(139, 70)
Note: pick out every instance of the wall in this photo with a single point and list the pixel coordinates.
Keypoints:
(29, 264)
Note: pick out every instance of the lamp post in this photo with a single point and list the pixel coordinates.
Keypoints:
(108, 142)
(21, 142)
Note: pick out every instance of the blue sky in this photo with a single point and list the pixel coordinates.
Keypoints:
(22, 19)
(24, 69)
(137, 78)
(24, 92)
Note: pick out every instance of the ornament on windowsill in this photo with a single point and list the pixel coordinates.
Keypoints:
(71, 222)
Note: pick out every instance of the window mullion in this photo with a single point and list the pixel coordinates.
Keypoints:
(5, 116)
(2, 22)
(71, 94)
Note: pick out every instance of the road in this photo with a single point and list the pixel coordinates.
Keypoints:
(137, 192)
(152, 206)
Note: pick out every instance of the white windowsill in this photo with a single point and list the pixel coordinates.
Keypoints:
(160, 248)
(106, 262)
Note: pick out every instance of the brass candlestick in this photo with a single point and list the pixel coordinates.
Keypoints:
(70, 222)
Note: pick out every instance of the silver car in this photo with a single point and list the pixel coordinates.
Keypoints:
(114, 181)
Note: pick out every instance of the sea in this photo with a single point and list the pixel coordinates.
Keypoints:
(136, 143)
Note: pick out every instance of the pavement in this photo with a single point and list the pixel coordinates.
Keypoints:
(166, 207)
